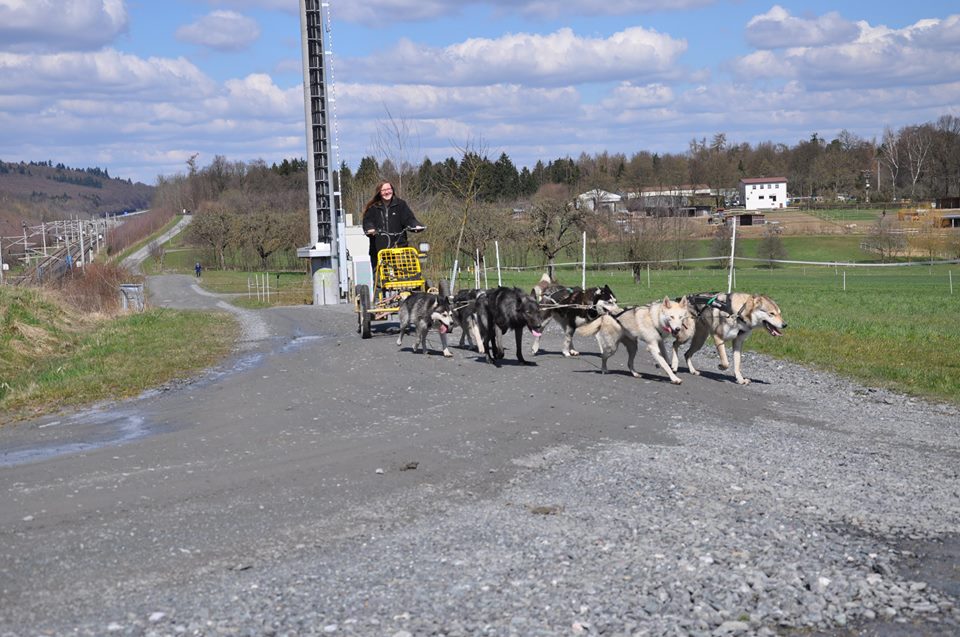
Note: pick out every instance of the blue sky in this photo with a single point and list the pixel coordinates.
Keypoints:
(138, 86)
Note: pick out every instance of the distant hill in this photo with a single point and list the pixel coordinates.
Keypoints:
(43, 191)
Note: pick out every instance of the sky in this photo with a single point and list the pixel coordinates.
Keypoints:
(140, 86)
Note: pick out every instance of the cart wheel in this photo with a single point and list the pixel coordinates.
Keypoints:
(363, 315)
(444, 289)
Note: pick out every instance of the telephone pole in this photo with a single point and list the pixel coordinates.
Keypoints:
(327, 249)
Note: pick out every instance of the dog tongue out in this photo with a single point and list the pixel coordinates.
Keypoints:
(535, 332)
(443, 328)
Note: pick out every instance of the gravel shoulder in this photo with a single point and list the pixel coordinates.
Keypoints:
(320, 484)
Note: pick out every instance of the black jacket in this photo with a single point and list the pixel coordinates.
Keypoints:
(397, 217)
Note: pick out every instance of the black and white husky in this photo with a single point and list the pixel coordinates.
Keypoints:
(424, 311)
(465, 315)
(571, 307)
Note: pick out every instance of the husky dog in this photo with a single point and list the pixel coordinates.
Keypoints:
(651, 324)
(571, 308)
(423, 311)
(465, 315)
(681, 337)
(731, 317)
(546, 285)
(502, 309)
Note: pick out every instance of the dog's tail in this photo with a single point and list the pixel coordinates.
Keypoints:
(544, 282)
(594, 326)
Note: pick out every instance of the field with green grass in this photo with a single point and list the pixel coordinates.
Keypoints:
(890, 327)
(847, 215)
(53, 356)
(856, 321)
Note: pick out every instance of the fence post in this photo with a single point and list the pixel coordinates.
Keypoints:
(497, 246)
(583, 267)
(950, 272)
(844, 280)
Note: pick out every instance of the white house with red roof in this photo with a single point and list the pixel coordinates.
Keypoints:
(763, 193)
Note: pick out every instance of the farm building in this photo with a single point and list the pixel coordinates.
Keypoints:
(763, 193)
(749, 218)
(599, 200)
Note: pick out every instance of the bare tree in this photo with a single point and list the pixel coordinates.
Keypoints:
(553, 222)
(213, 227)
(396, 141)
(885, 238)
(916, 141)
(157, 252)
(771, 246)
(891, 152)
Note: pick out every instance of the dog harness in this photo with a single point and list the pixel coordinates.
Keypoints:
(707, 300)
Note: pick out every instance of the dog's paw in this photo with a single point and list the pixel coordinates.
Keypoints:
(722, 366)
(447, 354)
(676, 381)
(635, 374)
(572, 352)
(743, 381)
(695, 372)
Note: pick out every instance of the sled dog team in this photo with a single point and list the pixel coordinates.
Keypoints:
(485, 316)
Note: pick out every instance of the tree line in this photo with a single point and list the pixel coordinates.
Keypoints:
(246, 212)
(919, 162)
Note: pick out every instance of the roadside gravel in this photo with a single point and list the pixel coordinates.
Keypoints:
(834, 511)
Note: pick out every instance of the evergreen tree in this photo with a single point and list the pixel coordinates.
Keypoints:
(505, 180)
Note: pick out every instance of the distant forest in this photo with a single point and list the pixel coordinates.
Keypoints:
(919, 162)
(43, 190)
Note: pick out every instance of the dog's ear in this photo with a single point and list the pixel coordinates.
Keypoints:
(667, 303)
(683, 302)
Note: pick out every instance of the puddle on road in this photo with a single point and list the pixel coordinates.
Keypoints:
(108, 426)
(106, 429)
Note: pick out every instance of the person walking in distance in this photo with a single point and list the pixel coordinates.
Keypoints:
(198, 269)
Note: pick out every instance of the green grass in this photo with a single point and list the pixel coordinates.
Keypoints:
(131, 249)
(51, 357)
(892, 328)
(845, 216)
(824, 249)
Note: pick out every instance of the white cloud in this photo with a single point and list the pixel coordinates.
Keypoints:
(370, 11)
(777, 29)
(221, 30)
(628, 96)
(500, 101)
(286, 6)
(878, 57)
(55, 25)
(257, 96)
(559, 58)
(106, 73)
(936, 34)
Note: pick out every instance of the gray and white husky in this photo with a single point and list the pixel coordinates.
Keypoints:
(424, 311)
(465, 315)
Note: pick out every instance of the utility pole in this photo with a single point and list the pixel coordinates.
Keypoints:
(327, 249)
(82, 260)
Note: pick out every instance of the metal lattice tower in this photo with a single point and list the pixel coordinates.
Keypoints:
(327, 263)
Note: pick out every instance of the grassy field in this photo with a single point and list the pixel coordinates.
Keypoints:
(845, 216)
(52, 356)
(893, 328)
(131, 249)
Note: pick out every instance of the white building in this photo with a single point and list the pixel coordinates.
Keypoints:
(763, 193)
(600, 201)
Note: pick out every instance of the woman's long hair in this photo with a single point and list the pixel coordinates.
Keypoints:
(377, 197)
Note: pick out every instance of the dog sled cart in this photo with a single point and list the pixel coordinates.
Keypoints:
(398, 274)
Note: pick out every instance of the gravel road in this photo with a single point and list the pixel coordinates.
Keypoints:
(320, 484)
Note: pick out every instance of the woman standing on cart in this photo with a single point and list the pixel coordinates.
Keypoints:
(386, 219)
